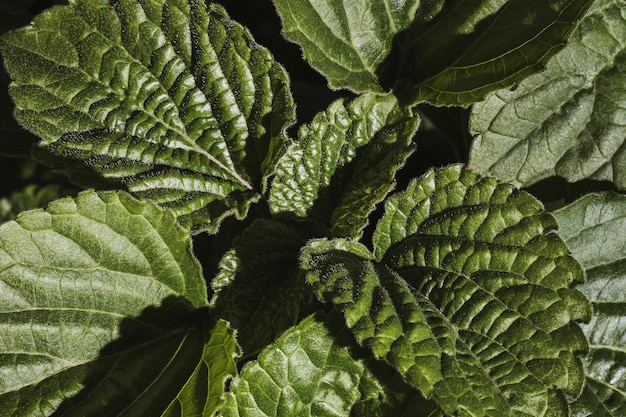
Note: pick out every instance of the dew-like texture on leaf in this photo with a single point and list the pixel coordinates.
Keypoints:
(567, 121)
(312, 370)
(346, 41)
(474, 265)
(259, 289)
(169, 99)
(593, 228)
(344, 163)
(102, 313)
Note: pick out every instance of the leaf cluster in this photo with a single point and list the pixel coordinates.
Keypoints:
(435, 230)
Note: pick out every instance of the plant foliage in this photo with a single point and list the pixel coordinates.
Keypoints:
(206, 258)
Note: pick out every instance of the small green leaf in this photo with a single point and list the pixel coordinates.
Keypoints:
(169, 100)
(103, 313)
(344, 163)
(312, 370)
(567, 121)
(259, 289)
(593, 228)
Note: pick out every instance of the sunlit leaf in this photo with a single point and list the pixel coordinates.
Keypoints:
(169, 100)
(567, 121)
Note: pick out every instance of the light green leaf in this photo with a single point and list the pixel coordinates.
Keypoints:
(472, 264)
(259, 289)
(436, 51)
(30, 197)
(102, 314)
(313, 370)
(593, 228)
(346, 41)
(170, 100)
(344, 163)
(567, 121)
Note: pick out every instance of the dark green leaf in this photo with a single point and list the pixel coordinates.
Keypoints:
(593, 228)
(313, 370)
(102, 314)
(345, 163)
(170, 100)
(259, 289)
(567, 121)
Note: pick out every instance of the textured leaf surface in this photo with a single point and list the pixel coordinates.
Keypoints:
(101, 314)
(593, 228)
(258, 288)
(473, 262)
(344, 163)
(346, 41)
(567, 121)
(436, 51)
(312, 370)
(167, 99)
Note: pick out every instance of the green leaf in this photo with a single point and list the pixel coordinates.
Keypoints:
(313, 370)
(30, 197)
(346, 41)
(463, 50)
(472, 264)
(259, 289)
(169, 100)
(593, 228)
(344, 163)
(436, 51)
(102, 313)
(567, 121)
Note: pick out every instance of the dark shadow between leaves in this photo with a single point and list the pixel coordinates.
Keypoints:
(141, 368)
(556, 192)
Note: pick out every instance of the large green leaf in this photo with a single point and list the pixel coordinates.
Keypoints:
(438, 51)
(101, 308)
(259, 289)
(471, 264)
(593, 228)
(344, 163)
(314, 370)
(567, 121)
(170, 100)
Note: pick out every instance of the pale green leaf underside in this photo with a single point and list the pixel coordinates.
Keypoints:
(346, 41)
(99, 293)
(436, 51)
(593, 228)
(171, 100)
(311, 371)
(472, 264)
(344, 163)
(258, 288)
(568, 121)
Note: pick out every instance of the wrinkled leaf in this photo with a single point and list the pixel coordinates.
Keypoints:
(313, 370)
(436, 51)
(344, 163)
(593, 228)
(101, 305)
(567, 121)
(258, 288)
(169, 100)
(474, 264)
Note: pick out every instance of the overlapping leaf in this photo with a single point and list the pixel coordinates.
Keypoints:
(171, 100)
(593, 228)
(258, 288)
(312, 370)
(567, 121)
(101, 314)
(437, 51)
(469, 264)
(344, 163)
